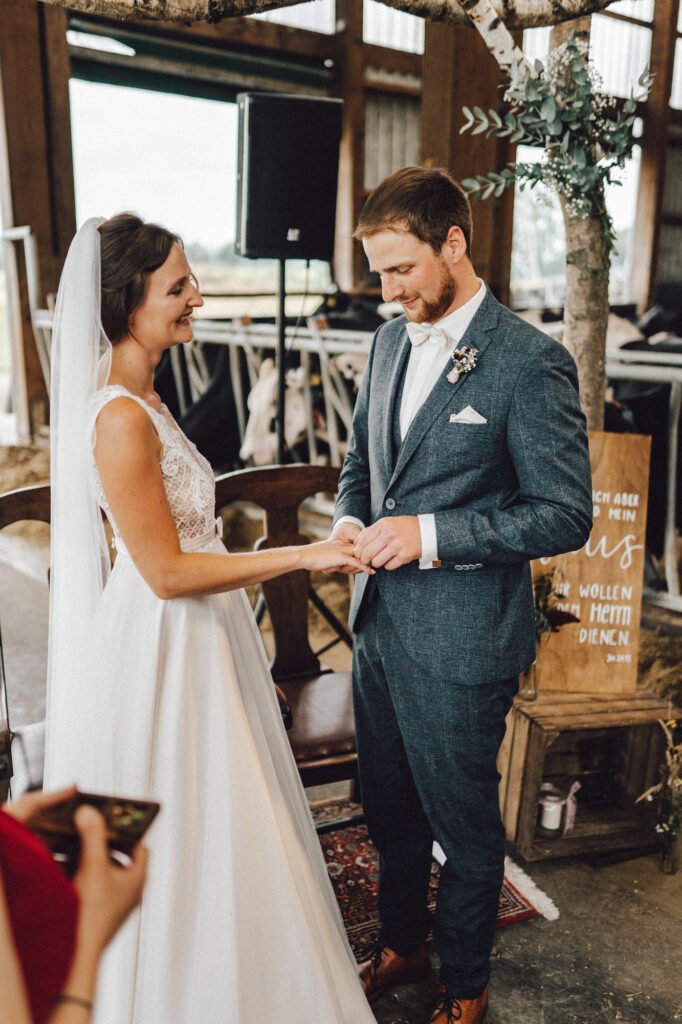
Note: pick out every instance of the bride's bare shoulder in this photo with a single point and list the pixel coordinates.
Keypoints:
(123, 421)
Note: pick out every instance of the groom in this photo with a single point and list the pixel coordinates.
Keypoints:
(468, 458)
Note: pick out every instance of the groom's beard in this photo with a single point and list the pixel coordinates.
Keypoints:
(431, 311)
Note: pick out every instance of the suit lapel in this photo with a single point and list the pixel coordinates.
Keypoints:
(478, 335)
(398, 365)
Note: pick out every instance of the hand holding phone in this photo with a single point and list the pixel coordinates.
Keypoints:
(126, 821)
(107, 893)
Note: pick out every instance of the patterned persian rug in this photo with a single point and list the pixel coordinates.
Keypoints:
(353, 865)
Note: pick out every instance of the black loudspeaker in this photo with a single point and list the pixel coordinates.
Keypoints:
(287, 176)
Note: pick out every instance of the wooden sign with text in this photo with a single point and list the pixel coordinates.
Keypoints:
(601, 584)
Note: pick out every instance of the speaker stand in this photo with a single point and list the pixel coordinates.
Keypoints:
(340, 630)
(281, 361)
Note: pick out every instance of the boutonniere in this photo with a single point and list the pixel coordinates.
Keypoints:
(464, 360)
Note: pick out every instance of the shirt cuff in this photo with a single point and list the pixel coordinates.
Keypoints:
(427, 529)
(351, 519)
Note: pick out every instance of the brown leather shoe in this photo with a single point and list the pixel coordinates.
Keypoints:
(449, 1010)
(387, 968)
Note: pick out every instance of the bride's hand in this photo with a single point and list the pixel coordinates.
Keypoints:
(331, 554)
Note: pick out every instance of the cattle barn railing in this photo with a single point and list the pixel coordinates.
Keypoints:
(341, 356)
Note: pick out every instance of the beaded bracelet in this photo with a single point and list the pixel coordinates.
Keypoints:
(85, 1004)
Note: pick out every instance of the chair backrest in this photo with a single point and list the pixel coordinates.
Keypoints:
(279, 491)
(25, 503)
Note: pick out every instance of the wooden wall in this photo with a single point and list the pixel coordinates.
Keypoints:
(652, 230)
(34, 75)
(458, 67)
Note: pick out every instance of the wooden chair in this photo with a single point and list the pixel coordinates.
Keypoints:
(322, 736)
(25, 503)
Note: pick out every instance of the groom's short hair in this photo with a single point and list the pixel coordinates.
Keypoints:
(426, 201)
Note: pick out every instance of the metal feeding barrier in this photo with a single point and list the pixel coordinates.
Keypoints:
(340, 355)
(659, 368)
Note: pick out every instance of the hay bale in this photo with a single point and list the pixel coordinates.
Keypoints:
(22, 465)
(660, 664)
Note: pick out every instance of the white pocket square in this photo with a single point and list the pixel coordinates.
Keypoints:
(468, 415)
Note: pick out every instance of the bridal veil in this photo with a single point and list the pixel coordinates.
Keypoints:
(80, 360)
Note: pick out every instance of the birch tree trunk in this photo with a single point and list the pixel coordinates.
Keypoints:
(586, 306)
(515, 13)
(586, 310)
(495, 34)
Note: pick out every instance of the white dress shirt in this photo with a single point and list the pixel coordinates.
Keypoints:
(425, 365)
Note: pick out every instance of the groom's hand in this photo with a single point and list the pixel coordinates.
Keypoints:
(390, 542)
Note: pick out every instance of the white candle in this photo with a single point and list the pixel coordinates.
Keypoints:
(551, 812)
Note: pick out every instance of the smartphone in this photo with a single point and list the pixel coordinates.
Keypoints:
(126, 819)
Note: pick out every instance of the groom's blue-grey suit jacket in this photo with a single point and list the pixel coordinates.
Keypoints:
(514, 488)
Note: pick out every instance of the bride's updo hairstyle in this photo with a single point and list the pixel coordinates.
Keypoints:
(130, 251)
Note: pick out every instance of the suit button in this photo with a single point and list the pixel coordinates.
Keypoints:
(390, 502)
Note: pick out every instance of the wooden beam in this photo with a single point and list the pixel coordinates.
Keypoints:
(20, 402)
(234, 33)
(654, 152)
(501, 237)
(34, 87)
(58, 133)
(458, 70)
(673, 219)
(34, 65)
(438, 119)
(255, 34)
(517, 14)
(348, 85)
(392, 88)
(617, 16)
(388, 59)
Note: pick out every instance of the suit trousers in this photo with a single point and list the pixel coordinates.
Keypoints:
(427, 748)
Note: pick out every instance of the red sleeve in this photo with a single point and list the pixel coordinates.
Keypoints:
(43, 910)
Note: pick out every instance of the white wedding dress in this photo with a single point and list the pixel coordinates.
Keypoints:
(238, 923)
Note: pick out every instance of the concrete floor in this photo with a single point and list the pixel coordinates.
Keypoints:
(614, 955)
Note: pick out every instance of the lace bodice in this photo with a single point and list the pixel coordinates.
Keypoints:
(187, 475)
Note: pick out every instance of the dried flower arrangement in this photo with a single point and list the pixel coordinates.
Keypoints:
(549, 618)
(669, 793)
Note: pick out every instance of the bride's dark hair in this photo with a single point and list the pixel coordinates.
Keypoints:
(130, 251)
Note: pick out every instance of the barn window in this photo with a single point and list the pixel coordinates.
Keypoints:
(385, 26)
(175, 161)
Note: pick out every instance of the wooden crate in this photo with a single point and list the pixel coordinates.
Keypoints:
(611, 744)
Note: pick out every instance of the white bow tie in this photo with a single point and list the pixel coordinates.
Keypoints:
(419, 333)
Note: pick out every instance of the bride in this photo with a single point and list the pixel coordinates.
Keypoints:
(158, 682)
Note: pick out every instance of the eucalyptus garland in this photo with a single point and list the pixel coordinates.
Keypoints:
(587, 136)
